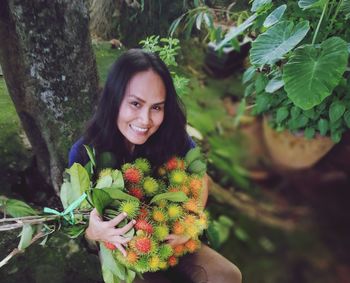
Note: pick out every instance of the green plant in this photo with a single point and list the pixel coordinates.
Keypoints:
(299, 76)
(167, 49)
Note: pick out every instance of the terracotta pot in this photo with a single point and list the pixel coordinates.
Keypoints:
(294, 152)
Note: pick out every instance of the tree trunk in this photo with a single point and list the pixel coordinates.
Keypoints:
(105, 18)
(50, 72)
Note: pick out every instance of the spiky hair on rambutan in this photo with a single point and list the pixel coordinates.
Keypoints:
(179, 250)
(192, 245)
(130, 207)
(144, 165)
(150, 186)
(142, 224)
(159, 215)
(192, 205)
(178, 228)
(175, 163)
(142, 245)
(161, 232)
(177, 177)
(132, 174)
(137, 192)
(142, 264)
(174, 211)
(154, 262)
(165, 251)
(172, 261)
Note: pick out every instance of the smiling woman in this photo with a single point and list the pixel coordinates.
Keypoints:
(140, 115)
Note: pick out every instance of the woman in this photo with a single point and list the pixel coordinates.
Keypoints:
(140, 115)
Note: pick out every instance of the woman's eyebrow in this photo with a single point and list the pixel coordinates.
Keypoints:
(143, 101)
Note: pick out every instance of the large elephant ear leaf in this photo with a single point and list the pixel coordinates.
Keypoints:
(312, 72)
(275, 16)
(273, 44)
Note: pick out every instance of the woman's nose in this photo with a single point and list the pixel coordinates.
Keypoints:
(145, 116)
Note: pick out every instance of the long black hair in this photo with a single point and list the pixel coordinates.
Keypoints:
(102, 132)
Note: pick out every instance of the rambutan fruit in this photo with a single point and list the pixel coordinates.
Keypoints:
(165, 251)
(142, 224)
(192, 245)
(131, 257)
(178, 228)
(132, 175)
(163, 265)
(171, 164)
(177, 177)
(130, 207)
(185, 189)
(174, 211)
(136, 192)
(195, 185)
(172, 261)
(109, 246)
(150, 186)
(202, 221)
(159, 215)
(153, 262)
(192, 230)
(179, 250)
(161, 232)
(192, 205)
(143, 213)
(142, 245)
(142, 264)
(144, 165)
(189, 219)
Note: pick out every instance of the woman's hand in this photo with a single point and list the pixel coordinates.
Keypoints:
(175, 240)
(105, 231)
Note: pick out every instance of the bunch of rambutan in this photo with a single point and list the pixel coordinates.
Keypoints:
(169, 202)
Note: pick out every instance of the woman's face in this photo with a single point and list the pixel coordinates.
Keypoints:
(142, 110)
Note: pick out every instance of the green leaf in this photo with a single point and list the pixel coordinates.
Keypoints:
(130, 276)
(248, 74)
(91, 154)
(118, 194)
(236, 31)
(261, 83)
(74, 231)
(172, 196)
(346, 8)
(108, 276)
(312, 73)
(309, 133)
(347, 118)
(174, 25)
(197, 167)
(104, 182)
(199, 20)
(257, 4)
(262, 104)
(336, 136)
(16, 208)
(307, 4)
(336, 111)
(282, 114)
(273, 44)
(193, 154)
(109, 263)
(240, 112)
(323, 126)
(100, 200)
(118, 181)
(26, 236)
(274, 84)
(295, 112)
(79, 179)
(241, 234)
(275, 16)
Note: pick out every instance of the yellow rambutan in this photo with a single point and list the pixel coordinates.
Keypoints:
(153, 262)
(174, 211)
(192, 205)
(177, 177)
(159, 215)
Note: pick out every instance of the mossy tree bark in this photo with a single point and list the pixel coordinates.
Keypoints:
(50, 72)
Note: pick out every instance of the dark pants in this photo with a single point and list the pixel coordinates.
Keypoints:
(204, 266)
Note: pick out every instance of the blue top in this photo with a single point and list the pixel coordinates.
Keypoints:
(75, 151)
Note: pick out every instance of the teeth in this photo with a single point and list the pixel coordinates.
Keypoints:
(138, 129)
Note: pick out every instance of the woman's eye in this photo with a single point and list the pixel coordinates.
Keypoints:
(157, 108)
(135, 104)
